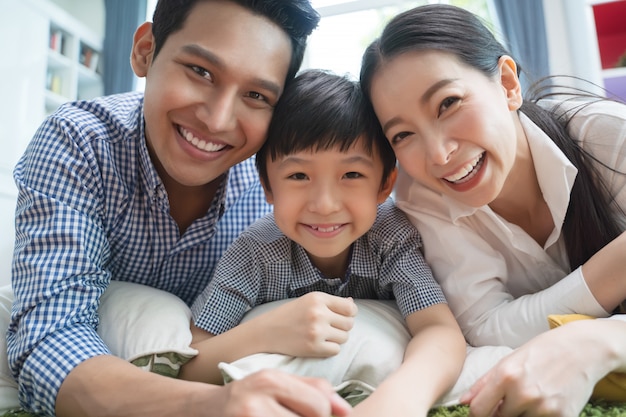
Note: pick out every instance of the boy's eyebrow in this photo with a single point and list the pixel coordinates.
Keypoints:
(424, 99)
(292, 159)
(209, 56)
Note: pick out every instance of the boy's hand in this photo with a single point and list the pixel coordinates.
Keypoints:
(314, 325)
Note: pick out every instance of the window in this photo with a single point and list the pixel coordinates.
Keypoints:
(347, 27)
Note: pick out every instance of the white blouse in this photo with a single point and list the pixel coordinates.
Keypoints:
(499, 282)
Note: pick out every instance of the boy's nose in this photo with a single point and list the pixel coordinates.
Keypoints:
(325, 200)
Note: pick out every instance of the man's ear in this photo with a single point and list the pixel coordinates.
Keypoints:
(387, 188)
(510, 82)
(143, 49)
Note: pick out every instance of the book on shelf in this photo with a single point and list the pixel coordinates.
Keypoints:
(88, 57)
(57, 41)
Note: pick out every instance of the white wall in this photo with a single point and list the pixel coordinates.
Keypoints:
(572, 43)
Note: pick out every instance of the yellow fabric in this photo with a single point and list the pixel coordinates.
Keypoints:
(613, 386)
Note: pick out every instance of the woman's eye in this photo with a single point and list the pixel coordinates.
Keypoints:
(396, 139)
(201, 71)
(447, 103)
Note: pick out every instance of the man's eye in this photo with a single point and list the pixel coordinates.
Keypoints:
(257, 96)
(201, 71)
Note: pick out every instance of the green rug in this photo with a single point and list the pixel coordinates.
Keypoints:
(592, 409)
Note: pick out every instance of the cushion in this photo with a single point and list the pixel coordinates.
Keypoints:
(375, 348)
(8, 386)
(613, 386)
(146, 326)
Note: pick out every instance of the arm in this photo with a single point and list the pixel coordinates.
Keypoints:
(601, 129)
(538, 379)
(139, 393)
(58, 273)
(314, 325)
(432, 363)
(488, 281)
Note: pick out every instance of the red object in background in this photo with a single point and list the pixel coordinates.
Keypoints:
(610, 21)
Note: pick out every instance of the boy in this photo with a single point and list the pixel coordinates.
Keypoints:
(328, 171)
(150, 189)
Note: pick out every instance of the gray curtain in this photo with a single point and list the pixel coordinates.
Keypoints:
(523, 24)
(122, 18)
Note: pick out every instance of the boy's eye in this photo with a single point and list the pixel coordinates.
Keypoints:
(298, 176)
(352, 175)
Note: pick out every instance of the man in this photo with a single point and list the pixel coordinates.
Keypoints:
(151, 189)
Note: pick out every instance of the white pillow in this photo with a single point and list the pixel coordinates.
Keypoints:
(8, 386)
(146, 326)
(374, 349)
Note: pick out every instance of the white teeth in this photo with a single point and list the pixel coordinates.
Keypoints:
(465, 170)
(326, 229)
(199, 143)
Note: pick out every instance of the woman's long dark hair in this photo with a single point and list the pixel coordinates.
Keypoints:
(590, 222)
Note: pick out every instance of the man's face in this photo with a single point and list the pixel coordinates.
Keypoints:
(211, 90)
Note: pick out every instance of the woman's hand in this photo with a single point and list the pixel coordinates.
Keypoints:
(553, 374)
(313, 325)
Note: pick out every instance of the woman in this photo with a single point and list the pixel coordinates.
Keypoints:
(520, 203)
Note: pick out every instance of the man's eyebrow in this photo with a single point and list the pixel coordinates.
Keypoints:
(428, 94)
(210, 57)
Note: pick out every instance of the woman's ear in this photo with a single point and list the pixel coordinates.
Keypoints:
(387, 188)
(510, 82)
(143, 49)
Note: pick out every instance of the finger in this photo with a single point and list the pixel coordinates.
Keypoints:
(341, 322)
(342, 306)
(311, 397)
(337, 336)
(487, 396)
(339, 406)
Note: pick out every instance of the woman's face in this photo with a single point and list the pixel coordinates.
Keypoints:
(453, 129)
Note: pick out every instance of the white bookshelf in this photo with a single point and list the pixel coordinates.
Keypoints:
(26, 64)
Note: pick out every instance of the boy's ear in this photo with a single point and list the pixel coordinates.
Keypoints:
(510, 82)
(387, 188)
(269, 197)
(143, 49)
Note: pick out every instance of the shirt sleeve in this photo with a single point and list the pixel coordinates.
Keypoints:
(486, 310)
(601, 129)
(58, 273)
(233, 289)
(404, 269)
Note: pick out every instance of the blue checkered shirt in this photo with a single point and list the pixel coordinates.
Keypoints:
(263, 265)
(92, 208)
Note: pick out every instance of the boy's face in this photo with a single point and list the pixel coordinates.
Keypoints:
(326, 200)
(210, 91)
